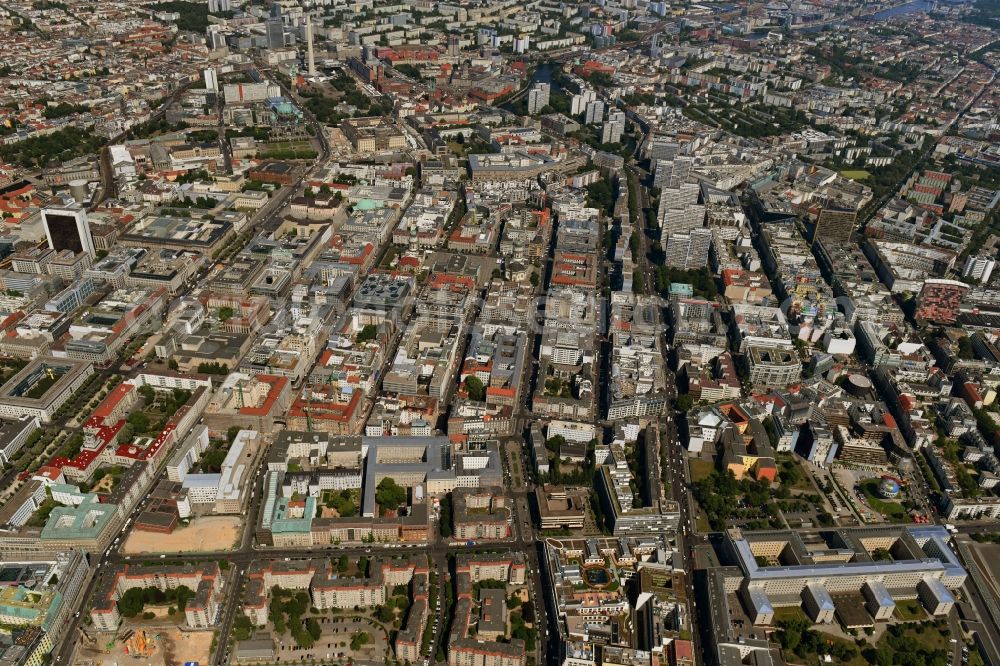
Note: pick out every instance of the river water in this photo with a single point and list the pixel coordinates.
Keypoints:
(908, 8)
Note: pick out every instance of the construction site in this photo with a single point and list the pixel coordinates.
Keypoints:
(153, 646)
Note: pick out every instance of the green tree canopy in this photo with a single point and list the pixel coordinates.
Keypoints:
(389, 494)
(474, 387)
(139, 421)
(367, 333)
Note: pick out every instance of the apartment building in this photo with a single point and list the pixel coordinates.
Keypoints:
(204, 579)
(480, 514)
(939, 300)
(465, 650)
(328, 589)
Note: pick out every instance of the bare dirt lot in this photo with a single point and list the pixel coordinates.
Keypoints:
(167, 647)
(203, 534)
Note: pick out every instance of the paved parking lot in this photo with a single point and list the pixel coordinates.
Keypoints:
(335, 642)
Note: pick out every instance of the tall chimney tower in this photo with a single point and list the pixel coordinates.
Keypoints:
(310, 56)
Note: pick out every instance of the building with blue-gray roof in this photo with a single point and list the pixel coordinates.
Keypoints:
(936, 598)
(325, 462)
(878, 602)
(817, 570)
(818, 604)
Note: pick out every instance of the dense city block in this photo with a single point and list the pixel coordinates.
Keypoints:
(496, 333)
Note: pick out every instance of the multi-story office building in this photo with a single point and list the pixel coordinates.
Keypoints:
(37, 600)
(558, 509)
(42, 387)
(68, 265)
(25, 501)
(426, 361)
(772, 366)
(13, 435)
(275, 31)
(98, 333)
(759, 324)
(782, 569)
(33, 260)
(834, 226)
(373, 134)
(66, 228)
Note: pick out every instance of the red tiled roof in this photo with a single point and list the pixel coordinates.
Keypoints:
(328, 411)
(48, 472)
(683, 649)
(277, 384)
(109, 403)
(12, 319)
(80, 461)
